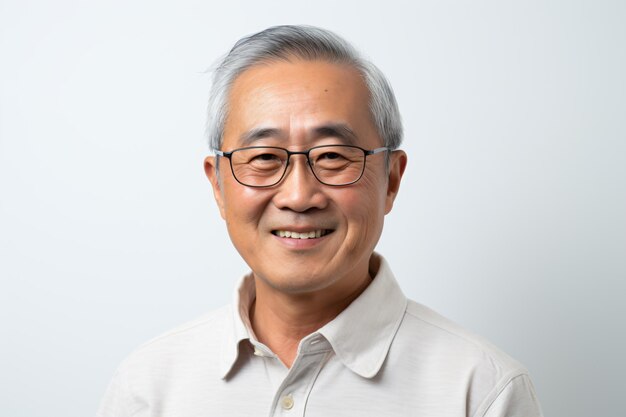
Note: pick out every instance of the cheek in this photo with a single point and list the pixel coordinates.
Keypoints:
(363, 208)
(372, 189)
(244, 205)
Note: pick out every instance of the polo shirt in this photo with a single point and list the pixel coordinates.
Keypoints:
(383, 355)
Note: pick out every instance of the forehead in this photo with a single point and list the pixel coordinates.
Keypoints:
(294, 99)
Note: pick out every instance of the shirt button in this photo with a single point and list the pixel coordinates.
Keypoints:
(287, 402)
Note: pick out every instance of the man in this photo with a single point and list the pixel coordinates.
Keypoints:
(306, 133)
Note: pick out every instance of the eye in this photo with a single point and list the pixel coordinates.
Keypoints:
(331, 160)
(265, 160)
(266, 157)
(332, 156)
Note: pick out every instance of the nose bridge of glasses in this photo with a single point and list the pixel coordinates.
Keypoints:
(307, 160)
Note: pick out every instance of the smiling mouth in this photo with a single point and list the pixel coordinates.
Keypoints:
(313, 234)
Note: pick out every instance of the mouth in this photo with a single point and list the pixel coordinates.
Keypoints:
(311, 234)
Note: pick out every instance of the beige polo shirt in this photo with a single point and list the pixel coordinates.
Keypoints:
(384, 355)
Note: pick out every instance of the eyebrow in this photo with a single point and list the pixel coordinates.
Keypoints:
(339, 130)
(252, 135)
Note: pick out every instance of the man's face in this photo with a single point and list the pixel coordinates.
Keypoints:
(298, 105)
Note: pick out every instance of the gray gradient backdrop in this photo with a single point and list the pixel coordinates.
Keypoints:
(510, 220)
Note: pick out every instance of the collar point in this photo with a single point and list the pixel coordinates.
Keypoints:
(367, 373)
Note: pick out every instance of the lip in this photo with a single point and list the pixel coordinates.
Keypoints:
(302, 229)
(293, 243)
(301, 244)
(311, 234)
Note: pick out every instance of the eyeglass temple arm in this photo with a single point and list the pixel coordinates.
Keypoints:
(221, 153)
(377, 150)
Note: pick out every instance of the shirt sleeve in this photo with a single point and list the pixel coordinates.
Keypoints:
(115, 401)
(517, 399)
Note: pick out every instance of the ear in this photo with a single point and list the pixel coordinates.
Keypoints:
(211, 171)
(397, 165)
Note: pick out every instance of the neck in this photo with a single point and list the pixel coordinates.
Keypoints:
(281, 320)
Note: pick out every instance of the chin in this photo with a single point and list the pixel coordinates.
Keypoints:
(296, 283)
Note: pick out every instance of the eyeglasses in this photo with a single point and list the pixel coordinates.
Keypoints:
(265, 166)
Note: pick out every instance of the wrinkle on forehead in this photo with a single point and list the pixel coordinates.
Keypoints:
(301, 100)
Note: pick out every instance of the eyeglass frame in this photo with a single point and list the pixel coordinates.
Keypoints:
(366, 153)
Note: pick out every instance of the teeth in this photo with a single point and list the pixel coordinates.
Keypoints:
(305, 235)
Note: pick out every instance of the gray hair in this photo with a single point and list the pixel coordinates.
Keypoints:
(308, 43)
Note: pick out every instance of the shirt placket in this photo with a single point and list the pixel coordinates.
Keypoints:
(291, 397)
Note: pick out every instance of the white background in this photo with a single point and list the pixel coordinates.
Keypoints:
(510, 221)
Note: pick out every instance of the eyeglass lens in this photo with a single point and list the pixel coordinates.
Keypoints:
(265, 166)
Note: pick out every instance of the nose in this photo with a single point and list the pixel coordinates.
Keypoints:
(299, 190)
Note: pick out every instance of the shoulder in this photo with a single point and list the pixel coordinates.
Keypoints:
(444, 335)
(172, 362)
(445, 357)
(191, 341)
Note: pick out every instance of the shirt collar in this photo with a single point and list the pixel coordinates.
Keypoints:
(238, 328)
(360, 336)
